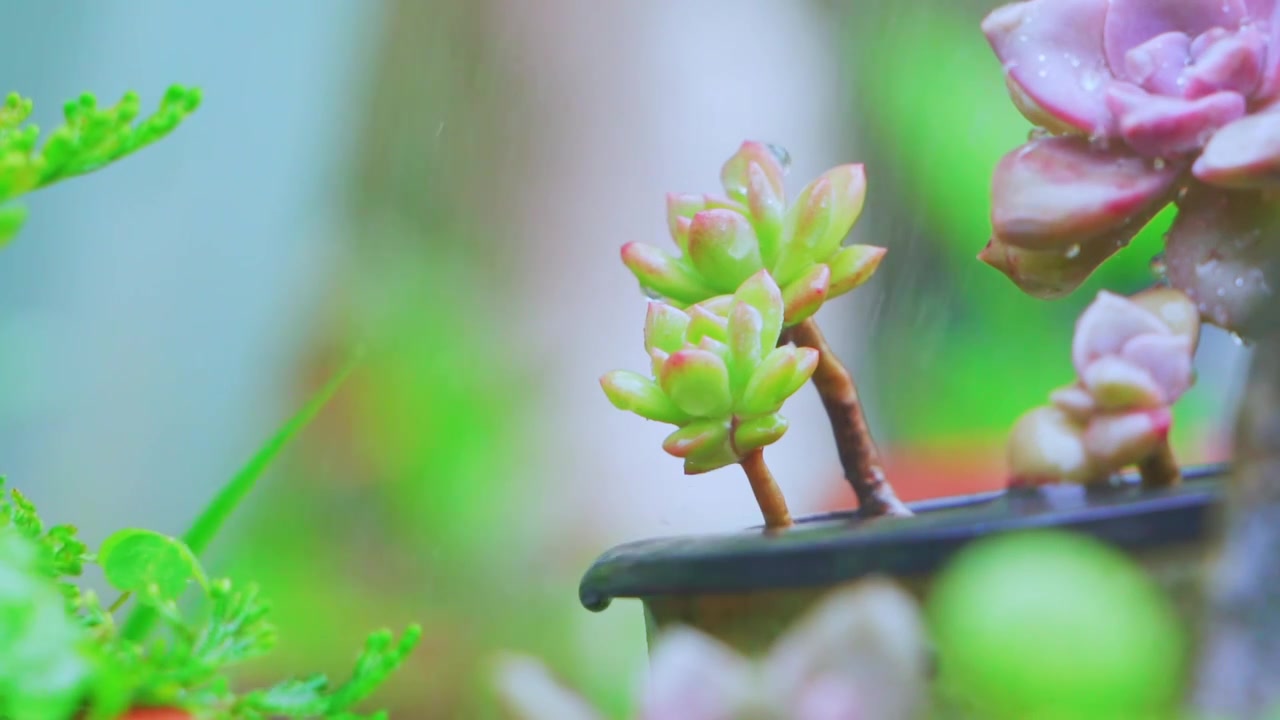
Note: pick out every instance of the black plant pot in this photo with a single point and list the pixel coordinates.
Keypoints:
(746, 587)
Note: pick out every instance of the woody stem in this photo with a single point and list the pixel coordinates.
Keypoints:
(768, 495)
(854, 444)
(1160, 469)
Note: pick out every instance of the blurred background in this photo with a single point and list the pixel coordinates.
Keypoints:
(448, 182)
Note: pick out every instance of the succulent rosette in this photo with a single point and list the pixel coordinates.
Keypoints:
(1133, 360)
(1141, 103)
(723, 240)
(862, 653)
(718, 374)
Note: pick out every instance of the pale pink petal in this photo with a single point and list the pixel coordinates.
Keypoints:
(1268, 11)
(1129, 23)
(1052, 55)
(1106, 325)
(1047, 446)
(1114, 441)
(1232, 62)
(1223, 251)
(830, 697)
(1164, 126)
(1060, 191)
(528, 691)
(1174, 308)
(694, 677)
(1157, 64)
(1165, 359)
(1244, 154)
(1117, 384)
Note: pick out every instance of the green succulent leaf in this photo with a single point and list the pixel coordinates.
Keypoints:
(664, 327)
(705, 324)
(853, 265)
(805, 295)
(779, 376)
(758, 432)
(147, 563)
(710, 457)
(636, 393)
(762, 293)
(681, 208)
(735, 174)
(664, 274)
(697, 381)
(12, 218)
(848, 192)
(723, 248)
(744, 329)
(698, 437)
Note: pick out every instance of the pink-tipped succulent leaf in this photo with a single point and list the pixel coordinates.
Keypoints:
(1146, 100)
(1133, 360)
(719, 375)
(722, 240)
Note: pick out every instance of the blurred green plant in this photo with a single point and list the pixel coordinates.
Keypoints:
(90, 138)
(939, 116)
(66, 655)
(1051, 624)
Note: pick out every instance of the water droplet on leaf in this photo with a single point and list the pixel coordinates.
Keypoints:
(781, 155)
(1073, 251)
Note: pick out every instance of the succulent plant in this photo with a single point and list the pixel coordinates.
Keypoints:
(1133, 361)
(860, 654)
(1140, 103)
(723, 240)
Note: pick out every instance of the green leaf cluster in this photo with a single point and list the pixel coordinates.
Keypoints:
(90, 138)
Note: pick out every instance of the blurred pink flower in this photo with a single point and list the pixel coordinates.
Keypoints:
(861, 655)
(1141, 102)
(1132, 358)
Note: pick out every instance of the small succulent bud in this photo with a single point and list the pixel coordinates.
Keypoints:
(805, 295)
(720, 376)
(724, 240)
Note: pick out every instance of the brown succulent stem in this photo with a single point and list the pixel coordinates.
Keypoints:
(768, 495)
(858, 454)
(1160, 469)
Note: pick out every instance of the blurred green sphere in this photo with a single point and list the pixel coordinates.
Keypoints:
(1054, 625)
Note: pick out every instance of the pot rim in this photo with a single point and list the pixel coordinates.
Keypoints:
(831, 548)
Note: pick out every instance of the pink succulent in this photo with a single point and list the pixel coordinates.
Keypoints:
(1133, 360)
(1141, 103)
(861, 655)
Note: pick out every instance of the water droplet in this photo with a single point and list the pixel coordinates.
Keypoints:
(1220, 292)
(1073, 251)
(1158, 266)
(1235, 338)
(1090, 80)
(1043, 73)
(781, 155)
(1158, 164)
(1239, 282)
(1037, 133)
(1041, 58)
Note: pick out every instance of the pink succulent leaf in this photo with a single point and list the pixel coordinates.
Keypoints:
(1222, 252)
(1174, 309)
(681, 207)
(1166, 360)
(723, 248)
(1117, 384)
(697, 381)
(1054, 64)
(664, 327)
(697, 436)
(528, 691)
(853, 265)
(1157, 65)
(735, 174)
(1116, 440)
(868, 638)
(1243, 155)
(1130, 23)
(1229, 61)
(1107, 325)
(636, 393)
(804, 296)
(745, 328)
(1049, 274)
(762, 293)
(693, 677)
(807, 222)
(668, 276)
(1047, 446)
(848, 196)
(758, 432)
(768, 212)
(1164, 126)
(1057, 192)
(1075, 401)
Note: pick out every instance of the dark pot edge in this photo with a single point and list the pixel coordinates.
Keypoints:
(830, 548)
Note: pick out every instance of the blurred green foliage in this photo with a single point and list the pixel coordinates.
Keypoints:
(930, 98)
